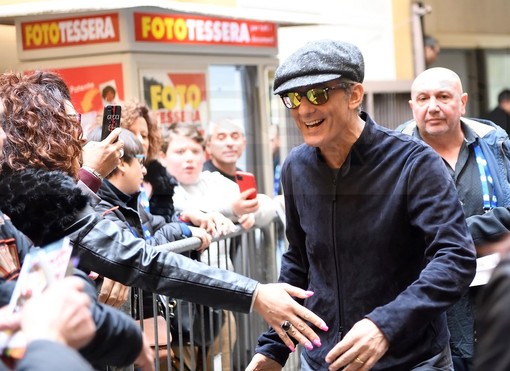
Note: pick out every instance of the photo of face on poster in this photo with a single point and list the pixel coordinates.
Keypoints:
(108, 91)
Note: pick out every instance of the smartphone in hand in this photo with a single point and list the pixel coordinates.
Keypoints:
(111, 120)
(246, 181)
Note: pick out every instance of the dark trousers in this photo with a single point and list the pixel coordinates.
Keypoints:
(462, 364)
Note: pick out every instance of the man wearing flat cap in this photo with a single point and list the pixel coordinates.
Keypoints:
(374, 226)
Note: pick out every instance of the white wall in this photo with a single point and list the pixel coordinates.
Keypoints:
(9, 60)
(365, 23)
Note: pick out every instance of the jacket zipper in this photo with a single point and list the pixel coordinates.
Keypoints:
(336, 258)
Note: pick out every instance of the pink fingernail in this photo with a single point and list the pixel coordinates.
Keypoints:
(309, 293)
(292, 349)
(317, 342)
(324, 327)
(308, 345)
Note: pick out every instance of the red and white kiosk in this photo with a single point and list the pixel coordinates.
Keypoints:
(185, 67)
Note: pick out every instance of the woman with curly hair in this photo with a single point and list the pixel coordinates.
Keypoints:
(35, 127)
(136, 117)
(62, 134)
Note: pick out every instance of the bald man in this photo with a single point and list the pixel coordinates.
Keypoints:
(473, 151)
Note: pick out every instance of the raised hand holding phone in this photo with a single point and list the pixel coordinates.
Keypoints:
(111, 120)
(103, 156)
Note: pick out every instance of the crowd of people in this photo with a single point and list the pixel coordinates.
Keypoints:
(47, 194)
(383, 226)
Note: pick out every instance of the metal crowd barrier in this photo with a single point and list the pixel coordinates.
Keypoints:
(254, 253)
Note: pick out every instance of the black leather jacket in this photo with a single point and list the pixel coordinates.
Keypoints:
(49, 204)
(103, 247)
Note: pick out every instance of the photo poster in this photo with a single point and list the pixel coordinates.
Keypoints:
(176, 96)
(87, 84)
(41, 267)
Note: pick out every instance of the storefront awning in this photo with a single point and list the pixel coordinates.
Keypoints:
(10, 10)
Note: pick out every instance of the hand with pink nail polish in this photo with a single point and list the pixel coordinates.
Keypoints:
(275, 303)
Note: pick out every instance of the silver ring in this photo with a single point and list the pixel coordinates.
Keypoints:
(121, 152)
(286, 326)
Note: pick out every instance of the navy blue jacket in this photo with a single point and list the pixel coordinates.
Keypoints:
(383, 238)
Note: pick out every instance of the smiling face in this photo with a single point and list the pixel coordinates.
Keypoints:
(226, 144)
(437, 102)
(329, 125)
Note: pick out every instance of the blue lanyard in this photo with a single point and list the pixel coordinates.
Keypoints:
(144, 199)
(277, 180)
(146, 233)
(486, 179)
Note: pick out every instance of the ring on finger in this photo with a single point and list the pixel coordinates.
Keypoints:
(286, 326)
(359, 360)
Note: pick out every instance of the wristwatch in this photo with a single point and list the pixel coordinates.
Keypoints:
(93, 172)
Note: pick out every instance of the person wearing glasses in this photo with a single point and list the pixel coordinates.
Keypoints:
(374, 227)
(475, 153)
(120, 202)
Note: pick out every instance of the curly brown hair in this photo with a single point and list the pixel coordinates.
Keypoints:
(131, 111)
(39, 133)
(51, 80)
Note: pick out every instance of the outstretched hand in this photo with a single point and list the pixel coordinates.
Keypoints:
(275, 304)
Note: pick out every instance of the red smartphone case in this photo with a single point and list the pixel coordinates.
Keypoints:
(246, 181)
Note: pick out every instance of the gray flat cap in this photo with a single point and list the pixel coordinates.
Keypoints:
(317, 62)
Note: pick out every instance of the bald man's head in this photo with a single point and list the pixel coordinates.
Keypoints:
(436, 78)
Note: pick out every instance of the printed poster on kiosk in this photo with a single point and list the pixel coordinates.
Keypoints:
(176, 96)
(93, 87)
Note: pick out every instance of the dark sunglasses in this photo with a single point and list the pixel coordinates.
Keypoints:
(316, 96)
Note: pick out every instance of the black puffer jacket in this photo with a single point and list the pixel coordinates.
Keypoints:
(103, 247)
